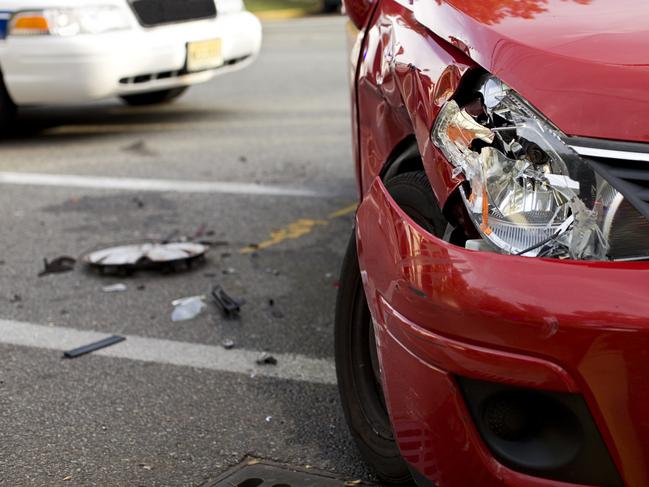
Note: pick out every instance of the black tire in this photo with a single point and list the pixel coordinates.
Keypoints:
(8, 110)
(412, 192)
(359, 380)
(154, 97)
(331, 6)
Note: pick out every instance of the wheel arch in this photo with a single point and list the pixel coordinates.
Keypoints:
(405, 157)
(399, 93)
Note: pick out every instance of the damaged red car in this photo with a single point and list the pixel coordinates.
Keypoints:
(492, 324)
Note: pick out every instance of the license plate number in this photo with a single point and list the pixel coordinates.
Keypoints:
(203, 55)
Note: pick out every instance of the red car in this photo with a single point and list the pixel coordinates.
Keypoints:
(492, 323)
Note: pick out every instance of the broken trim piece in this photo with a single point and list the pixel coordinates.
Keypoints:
(106, 342)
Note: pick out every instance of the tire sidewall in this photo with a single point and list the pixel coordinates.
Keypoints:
(413, 194)
(383, 455)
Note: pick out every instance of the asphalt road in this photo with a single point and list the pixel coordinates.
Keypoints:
(170, 406)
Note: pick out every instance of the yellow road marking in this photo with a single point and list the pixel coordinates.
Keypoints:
(294, 230)
(343, 211)
(297, 229)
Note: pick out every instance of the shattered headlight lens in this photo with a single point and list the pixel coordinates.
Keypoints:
(69, 21)
(527, 192)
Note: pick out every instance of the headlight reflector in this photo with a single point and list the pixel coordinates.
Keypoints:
(528, 193)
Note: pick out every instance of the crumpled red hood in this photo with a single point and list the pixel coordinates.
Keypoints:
(583, 63)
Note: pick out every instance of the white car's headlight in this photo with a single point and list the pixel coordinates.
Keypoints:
(69, 21)
(527, 192)
(229, 6)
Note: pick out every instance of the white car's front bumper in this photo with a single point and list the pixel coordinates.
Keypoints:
(52, 70)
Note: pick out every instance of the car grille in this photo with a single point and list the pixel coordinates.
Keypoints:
(629, 234)
(158, 12)
(625, 165)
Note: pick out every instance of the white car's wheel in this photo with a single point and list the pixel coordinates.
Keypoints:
(7, 109)
(154, 97)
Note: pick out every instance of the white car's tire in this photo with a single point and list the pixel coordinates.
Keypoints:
(8, 109)
(154, 97)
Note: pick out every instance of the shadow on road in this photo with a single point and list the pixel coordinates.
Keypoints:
(43, 124)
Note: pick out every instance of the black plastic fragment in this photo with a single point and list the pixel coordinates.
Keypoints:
(229, 306)
(91, 347)
(266, 359)
(58, 265)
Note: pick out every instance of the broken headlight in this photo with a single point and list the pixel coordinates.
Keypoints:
(526, 191)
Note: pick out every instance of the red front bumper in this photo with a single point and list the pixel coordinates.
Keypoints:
(442, 311)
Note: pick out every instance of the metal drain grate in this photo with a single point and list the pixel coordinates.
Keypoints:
(253, 473)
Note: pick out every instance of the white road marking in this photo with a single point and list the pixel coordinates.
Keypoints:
(289, 366)
(135, 184)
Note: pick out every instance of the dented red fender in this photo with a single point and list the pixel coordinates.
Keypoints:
(442, 310)
(406, 76)
(582, 63)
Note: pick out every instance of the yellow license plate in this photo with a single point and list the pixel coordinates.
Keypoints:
(203, 55)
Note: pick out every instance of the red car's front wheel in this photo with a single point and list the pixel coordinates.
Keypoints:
(359, 377)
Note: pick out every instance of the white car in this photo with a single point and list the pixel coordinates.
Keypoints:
(144, 51)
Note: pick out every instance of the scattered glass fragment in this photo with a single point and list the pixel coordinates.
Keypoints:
(114, 288)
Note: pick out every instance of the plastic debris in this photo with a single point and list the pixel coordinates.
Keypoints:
(91, 347)
(61, 264)
(187, 308)
(266, 359)
(229, 306)
(227, 344)
(269, 419)
(114, 288)
(148, 255)
(229, 270)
